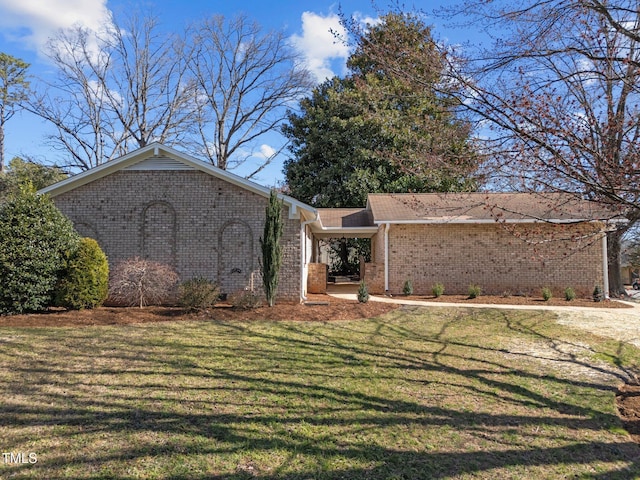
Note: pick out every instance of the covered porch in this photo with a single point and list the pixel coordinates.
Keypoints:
(335, 225)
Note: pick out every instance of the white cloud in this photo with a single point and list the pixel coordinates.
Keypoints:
(33, 22)
(266, 151)
(319, 45)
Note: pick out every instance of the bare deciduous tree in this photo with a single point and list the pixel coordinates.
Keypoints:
(118, 89)
(245, 78)
(559, 92)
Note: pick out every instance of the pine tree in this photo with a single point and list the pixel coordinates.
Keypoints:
(271, 248)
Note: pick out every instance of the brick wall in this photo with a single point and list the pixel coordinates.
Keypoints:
(199, 224)
(317, 278)
(499, 258)
(374, 278)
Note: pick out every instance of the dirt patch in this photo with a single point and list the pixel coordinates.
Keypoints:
(628, 401)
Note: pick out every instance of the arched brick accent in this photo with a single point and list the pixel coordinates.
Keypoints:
(159, 232)
(235, 247)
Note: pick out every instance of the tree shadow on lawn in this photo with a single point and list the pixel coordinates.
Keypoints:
(346, 400)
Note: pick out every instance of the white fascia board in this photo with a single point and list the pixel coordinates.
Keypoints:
(95, 173)
(355, 232)
(486, 221)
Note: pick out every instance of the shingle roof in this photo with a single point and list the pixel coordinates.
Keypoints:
(483, 207)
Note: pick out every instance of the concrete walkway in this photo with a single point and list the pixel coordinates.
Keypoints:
(635, 310)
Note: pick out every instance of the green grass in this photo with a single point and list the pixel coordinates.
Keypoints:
(439, 393)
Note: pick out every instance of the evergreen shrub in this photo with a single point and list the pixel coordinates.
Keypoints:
(474, 291)
(36, 241)
(438, 290)
(363, 292)
(569, 294)
(85, 283)
(271, 249)
(598, 294)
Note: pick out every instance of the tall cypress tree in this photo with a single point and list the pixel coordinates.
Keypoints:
(271, 248)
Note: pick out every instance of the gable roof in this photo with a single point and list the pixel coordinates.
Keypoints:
(484, 208)
(156, 156)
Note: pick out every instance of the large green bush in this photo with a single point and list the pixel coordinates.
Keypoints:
(36, 241)
(85, 283)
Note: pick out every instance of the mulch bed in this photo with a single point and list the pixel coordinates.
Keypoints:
(518, 300)
(319, 308)
(324, 309)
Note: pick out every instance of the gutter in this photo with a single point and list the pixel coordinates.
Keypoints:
(605, 267)
(387, 226)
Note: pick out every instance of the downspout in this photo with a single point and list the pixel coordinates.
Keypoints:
(386, 257)
(303, 254)
(605, 267)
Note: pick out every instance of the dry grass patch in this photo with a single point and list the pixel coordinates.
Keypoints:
(417, 393)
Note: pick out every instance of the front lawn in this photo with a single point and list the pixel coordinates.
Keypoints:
(417, 393)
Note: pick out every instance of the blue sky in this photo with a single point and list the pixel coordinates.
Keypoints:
(25, 26)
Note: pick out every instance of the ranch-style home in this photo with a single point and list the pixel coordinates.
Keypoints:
(161, 204)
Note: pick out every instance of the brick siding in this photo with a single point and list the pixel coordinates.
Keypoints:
(317, 278)
(198, 223)
(500, 258)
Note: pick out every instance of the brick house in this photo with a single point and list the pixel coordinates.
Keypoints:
(504, 242)
(161, 204)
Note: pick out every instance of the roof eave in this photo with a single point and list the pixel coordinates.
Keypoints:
(492, 221)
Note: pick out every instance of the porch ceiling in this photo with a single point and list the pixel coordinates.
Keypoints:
(344, 222)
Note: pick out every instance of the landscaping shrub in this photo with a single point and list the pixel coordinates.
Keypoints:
(408, 288)
(36, 240)
(546, 294)
(142, 282)
(85, 283)
(271, 248)
(363, 292)
(598, 294)
(474, 291)
(438, 290)
(198, 294)
(245, 300)
(569, 294)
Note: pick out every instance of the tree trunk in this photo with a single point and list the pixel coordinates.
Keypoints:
(614, 247)
(1, 147)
